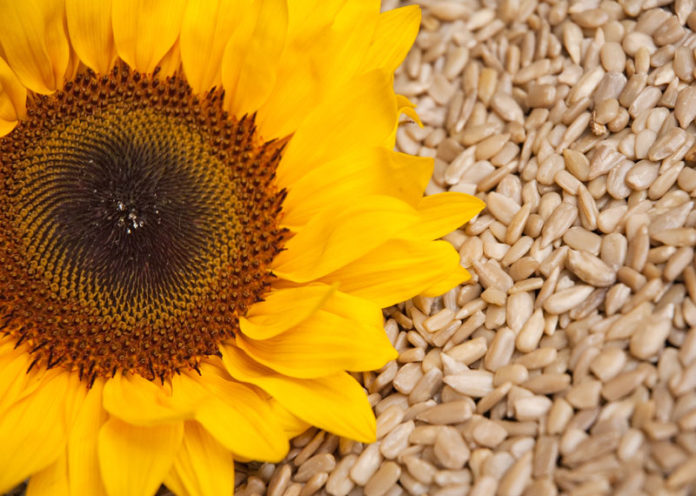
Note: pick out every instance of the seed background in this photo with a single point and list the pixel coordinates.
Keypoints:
(567, 365)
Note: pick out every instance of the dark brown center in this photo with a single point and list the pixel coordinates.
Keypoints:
(138, 222)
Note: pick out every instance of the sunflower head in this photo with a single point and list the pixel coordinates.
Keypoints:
(202, 217)
(142, 221)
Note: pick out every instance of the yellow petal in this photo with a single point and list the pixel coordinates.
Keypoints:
(408, 108)
(74, 65)
(175, 484)
(203, 465)
(334, 238)
(6, 127)
(346, 334)
(362, 114)
(140, 402)
(371, 171)
(73, 399)
(34, 42)
(443, 213)
(134, 460)
(51, 481)
(446, 283)
(171, 62)
(307, 17)
(355, 25)
(298, 88)
(396, 31)
(283, 309)
(207, 27)
(83, 461)
(399, 270)
(326, 43)
(13, 96)
(336, 403)
(15, 383)
(33, 432)
(250, 61)
(91, 35)
(234, 414)
(145, 30)
(290, 423)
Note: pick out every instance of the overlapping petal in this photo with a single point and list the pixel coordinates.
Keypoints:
(13, 96)
(359, 116)
(326, 43)
(346, 334)
(138, 401)
(207, 27)
(234, 414)
(399, 270)
(83, 459)
(51, 481)
(346, 178)
(443, 213)
(145, 30)
(34, 42)
(395, 33)
(289, 422)
(336, 403)
(33, 431)
(283, 309)
(333, 238)
(133, 460)
(252, 55)
(91, 34)
(15, 382)
(203, 466)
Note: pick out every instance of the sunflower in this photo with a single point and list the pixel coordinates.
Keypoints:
(201, 218)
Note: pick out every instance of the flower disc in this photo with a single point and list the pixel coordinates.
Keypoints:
(138, 221)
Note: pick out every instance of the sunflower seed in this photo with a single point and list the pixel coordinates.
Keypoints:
(449, 448)
(475, 383)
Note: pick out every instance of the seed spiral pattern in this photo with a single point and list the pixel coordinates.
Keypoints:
(138, 223)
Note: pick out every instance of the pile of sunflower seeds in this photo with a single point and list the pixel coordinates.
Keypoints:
(567, 365)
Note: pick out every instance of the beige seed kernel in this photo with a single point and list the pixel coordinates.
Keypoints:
(439, 320)
(469, 351)
(383, 479)
(547, 383)
(531, 332)
(488, 433)
(564, 300)
(513, 373)
(539, 358)
(649, 337)
(316, 464)
(532, 407)
(366, 465)
(397, 440)
(389, 419)
(476, 383)
(590, 269)
(449, 448)
(454, 412)
(500, 349)
(585, 394)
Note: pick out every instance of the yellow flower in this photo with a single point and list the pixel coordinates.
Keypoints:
(201, 219)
